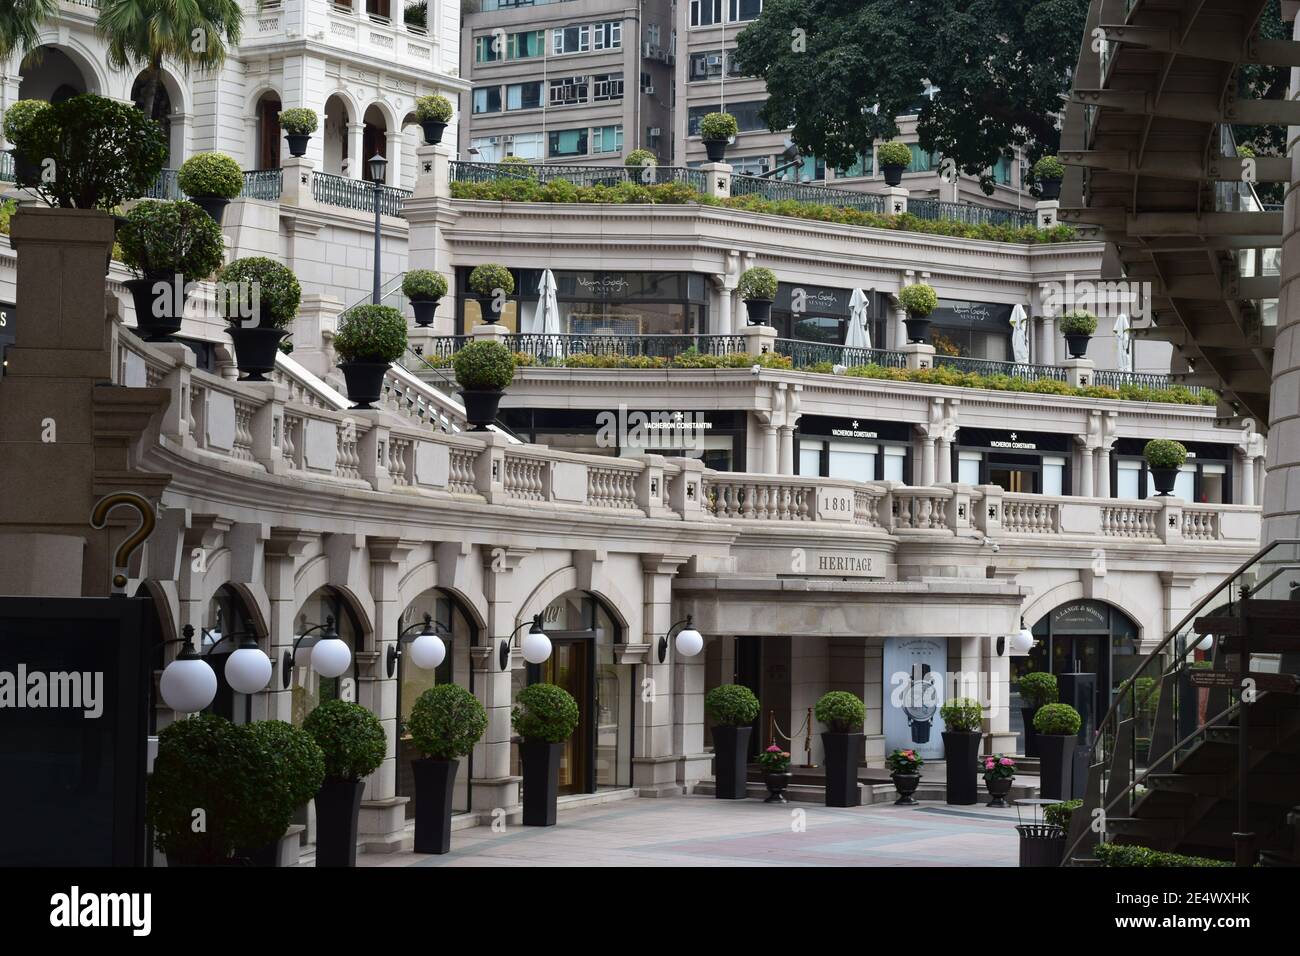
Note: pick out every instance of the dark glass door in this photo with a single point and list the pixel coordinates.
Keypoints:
(1085, 654)
(570, 666)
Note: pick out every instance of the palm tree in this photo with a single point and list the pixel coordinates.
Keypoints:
(20, 21)
(192, 33)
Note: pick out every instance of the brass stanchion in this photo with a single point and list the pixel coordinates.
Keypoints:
(807, 742)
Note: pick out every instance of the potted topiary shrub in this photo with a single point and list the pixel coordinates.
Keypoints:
(1077, 326)
(776, 773)
(962, 722)
(999, 772)
(434, 113)
(370, 338)
(717, 130)
(211, 180)
(1164, 458)
(844, 714)
(491, 283)
(298, 124)
(1057, 726)
(283, 768)
(424, 288)
(904, 768)
(446, 722)
(732, 708)
(757, 286)
(17, 118)
(639, 157)
(1048, 173)
(169, 245)
(1037, 689)
(483, 370)
(193, 769)
(545, 716)
(894, 157)
(270, 294)
(919, 300)
(353, 742)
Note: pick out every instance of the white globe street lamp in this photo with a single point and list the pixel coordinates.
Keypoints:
(689, 641)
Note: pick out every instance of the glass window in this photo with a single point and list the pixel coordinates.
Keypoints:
(1002, 171)
(569, 91)
(894, 459)
(922, 162)
(607, 35)
(740, 10)
(526, 146)
(705, 12)
(748, 116)
(1185, 484)
(1213, 477)
(522, 46)
(486, 49)
(968, 467)
(853, 461)
(1128, 475)
(653, 34)
(810, 457)
(607, 139)
(865, 166)
(489, 149)
(1053, 476)
(524, 96)
(487, 99)
(567, 142)
(571, 40)
(607, 86)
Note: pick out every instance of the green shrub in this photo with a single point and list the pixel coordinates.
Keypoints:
(20, 115)
(424, 284)
(160, 238)
(904, 761)
(446, 722)
(433, 109)
(1049, 167)
(843, 712)
(1245, 152)
(196, 760)
(1038, 689)
(544, 712)
(717, 126)
(731, 705)
(298, 121)
(211, 174)
(757, 283)
(894, 153)
(919, 300)
(1078, 322)
(1165, 453)
(489, 277)
(640, 157)
(351, 738)
(7, 209)
(1060, 814)
(371, 333)
(1057, 720)
(278, 291)
(962, 714)
(484, 365)
(104, 152)
(1125, 855)
(1146, 695)
(282, 768)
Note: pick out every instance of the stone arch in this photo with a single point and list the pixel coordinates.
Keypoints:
(561, 582)
(424, 577)
(1043, 604)
(88, 63)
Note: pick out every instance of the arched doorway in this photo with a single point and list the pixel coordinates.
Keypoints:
(228, 617)
(334, 136)
(161, 113)
(268, 131)
(374, 139)
(458, 633)
(52, 75)
(308, 687)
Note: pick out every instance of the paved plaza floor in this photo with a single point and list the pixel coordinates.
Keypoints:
(703, 831)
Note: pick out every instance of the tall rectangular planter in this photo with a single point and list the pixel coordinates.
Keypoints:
(730, 761)
(961, 749)
(1031, 735)
(1056, 766)
(843, 757)
(541, 765)
(338, 804)
(435, 784)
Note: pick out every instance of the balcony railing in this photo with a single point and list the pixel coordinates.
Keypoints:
(559, 347)
(804, 354)
(778, 191)
(464, 172)
(356, 194)
(1023, 370)
(263, 184)
(164, 187)
(970, 213)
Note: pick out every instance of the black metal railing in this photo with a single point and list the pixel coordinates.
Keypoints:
(164, 187)
(563, 346)
(970, 213)
(6, 166)
(1111, 378)
(263, 184)
(804, 354)
(777, 191)
(466, 172)
(356, 194)
(1025, 370)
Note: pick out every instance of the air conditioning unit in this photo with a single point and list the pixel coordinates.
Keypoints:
(650, 51)
(670, 59)
(655, 132)
(649, 90)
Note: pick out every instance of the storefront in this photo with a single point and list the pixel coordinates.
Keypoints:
(979, 330)
(820, 314)
(855, 449)
(1205, 478)
(1027, 462)
(597, 303)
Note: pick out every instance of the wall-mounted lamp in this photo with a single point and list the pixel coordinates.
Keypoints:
(1022, 642)
(330, 654)
(689, 641)
(536, 646)
(427, 648)
(189, 684)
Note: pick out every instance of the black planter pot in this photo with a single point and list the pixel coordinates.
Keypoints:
(435, 783)
(905, 784)
(158, 315)
(918, 330)
(486, 308)
(338, 804)
(716, 150)
(298, 143)
(1056, 766)
(255, 349)
(214, 206)
(920, 730)
(25, 173)
(1031, 735)
(424, 310)
(481, 406)
(730, 760)
(776, 785)
(998, 790)
(893, 174)
(432, 131)
(961, 750)
(1077, 345)
(1049, 188)
(843, 756)
(541, 763)
(1164, 479)
(1041, 844)
(760, 311)
(365, 381)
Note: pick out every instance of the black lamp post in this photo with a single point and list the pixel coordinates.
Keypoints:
(378, 166)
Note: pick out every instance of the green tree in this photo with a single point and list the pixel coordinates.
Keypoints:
(192, 33)
(839, 71)
(20, 21)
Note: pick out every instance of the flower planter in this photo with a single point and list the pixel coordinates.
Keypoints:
(1041, 844)
(893, 174)
(1056, 766)
(435, 784)
(716, 150)
(998, 789)
(255, 349)
(338, 804)
(486, 308)
(541, 765)
(365, 381)
(759, 310)
(298, 143)
(1077, 345)
(214, 206)
(433, 131)
(158, 316)
(843, 756)
(918, 330)
(776, 786)
(961, 750)
(1031, 735)
(481, 406)
(1049, 188)
(730, 760)
(905, 784)
(424, 310)
(1164, 479)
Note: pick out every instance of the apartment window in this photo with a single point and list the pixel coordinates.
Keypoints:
(487, 99)
(739, 10)
(489, 149)
(522, 46)
(922, 162)
(1002, 171)
(570, 40)
(647, 82)
(653, 35)
(708, 65)
(607, 35)
(750, 165)
(748, 116)
(485, 49)
(524, 96)
(567, 142)
(607, 139)
(525, 146)
(865, 166)
(607, 86)
(569, 91)
(705, 12)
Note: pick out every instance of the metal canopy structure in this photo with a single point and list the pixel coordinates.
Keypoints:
(1152, 167)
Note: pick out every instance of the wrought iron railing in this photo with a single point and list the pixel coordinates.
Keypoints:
(164, 187)
(1112, 378)
(6, 166)
(1025, 370)
(558, 347)
(778, 191)
(803, 354)
(357, 194)
(263, 184)
(970, 213)
(465, 172)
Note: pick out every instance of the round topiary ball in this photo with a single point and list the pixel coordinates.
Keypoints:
(1057, 719)
(446, 722)
(843, 712)
(544, 712)
(351, 738)
(731, 705)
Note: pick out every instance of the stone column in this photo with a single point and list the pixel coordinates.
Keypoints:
(928, 476)
(997, 720)
(655, 759)
(717, 179)
(393, 139)
(283, 548)
(1246, 495)
(770, 455)
(1103, 470)
(726, 307)
(356, 146)
(1086, 469)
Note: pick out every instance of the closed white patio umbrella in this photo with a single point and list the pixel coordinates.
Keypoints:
(1123, 343)
(857, 336)
(1020, 334)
